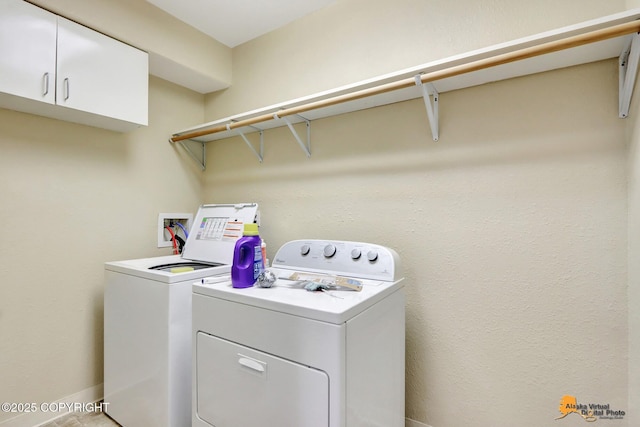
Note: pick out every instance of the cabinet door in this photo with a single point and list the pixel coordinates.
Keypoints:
(27, 51)
(101, 75)
(237, 386)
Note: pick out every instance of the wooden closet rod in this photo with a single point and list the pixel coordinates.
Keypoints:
(505, 58)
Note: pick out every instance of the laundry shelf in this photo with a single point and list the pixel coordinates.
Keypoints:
(591, 48)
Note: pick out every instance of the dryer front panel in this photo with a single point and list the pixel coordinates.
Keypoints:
(241, 387)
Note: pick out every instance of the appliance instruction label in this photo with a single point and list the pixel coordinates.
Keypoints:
(220, 228)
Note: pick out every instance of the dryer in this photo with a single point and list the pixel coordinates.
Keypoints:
(288, 357)
(147, 320)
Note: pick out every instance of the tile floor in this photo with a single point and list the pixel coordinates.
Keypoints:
(83, 419)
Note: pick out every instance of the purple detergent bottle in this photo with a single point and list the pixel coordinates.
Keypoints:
(247, 258)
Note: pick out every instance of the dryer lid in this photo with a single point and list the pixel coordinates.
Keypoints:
(215, 230)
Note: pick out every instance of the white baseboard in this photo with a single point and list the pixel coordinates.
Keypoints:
(40, 417)
(413, 423)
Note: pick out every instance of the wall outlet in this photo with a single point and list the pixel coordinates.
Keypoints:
(172, 220)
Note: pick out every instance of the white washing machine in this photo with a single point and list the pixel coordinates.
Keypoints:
(147, 321)
(288, 357)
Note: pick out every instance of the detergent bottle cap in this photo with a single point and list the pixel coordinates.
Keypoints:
(250, 229)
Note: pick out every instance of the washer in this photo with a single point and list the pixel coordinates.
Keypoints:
(285, 356)
(147, 321)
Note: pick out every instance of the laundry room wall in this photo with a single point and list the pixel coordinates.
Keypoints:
(512, 228)
(74, 197)
(353, 40)
(634, 265)
(633, 129)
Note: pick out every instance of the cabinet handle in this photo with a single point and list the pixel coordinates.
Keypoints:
(250, 363)
(66, 88)
(45, 84)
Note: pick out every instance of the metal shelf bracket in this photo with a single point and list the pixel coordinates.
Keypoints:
(259, 155)
(429, 90)
(305, 147)
(627, 72)
(200, 158)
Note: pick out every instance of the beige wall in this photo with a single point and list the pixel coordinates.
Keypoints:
(353, 40)
(634, 265)
(633, 129)
(512, 228)
(73, 198)
(512, 232)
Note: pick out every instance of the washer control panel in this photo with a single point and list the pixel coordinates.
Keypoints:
(342, 258)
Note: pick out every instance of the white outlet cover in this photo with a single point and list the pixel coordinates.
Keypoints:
(163, 240)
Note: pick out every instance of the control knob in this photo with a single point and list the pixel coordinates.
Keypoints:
(356, 253)
(329, 251)
(372, 256)
(304, 250)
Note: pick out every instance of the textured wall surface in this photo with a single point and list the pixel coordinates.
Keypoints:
(634, 254)
(634, 267)
(512, 228)
(512, 232)
(368, 39)
(73, 198)
(633, 128)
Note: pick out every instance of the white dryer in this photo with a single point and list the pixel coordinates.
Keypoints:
(147, 321)
(288, 357)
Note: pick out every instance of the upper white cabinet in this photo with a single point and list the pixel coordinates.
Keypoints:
(57, 68)
(101, 75)
(28, 47)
